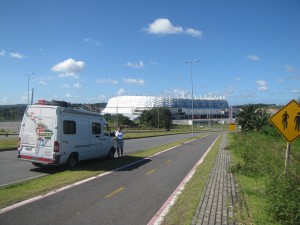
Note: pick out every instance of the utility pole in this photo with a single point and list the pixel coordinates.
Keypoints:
(191, 63)
(28, 78)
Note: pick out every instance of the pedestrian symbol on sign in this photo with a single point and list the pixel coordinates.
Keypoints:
(285, 118)
(297, 122)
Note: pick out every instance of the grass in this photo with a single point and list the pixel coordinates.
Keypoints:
(8, 143)
(258, 165)
(184, 209)
(22, 191)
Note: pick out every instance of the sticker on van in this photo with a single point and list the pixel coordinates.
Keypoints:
(44, 134)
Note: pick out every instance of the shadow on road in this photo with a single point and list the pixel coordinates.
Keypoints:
(125, 163)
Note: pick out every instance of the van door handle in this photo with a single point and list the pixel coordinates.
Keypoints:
(65, 142)
(97, 136)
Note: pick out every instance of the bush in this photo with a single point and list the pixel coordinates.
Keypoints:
(283, 196)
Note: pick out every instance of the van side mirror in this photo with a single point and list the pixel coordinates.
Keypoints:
(112, 134)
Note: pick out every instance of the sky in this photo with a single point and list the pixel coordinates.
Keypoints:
(90, 51)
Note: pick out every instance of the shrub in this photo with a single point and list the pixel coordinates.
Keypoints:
(283, 196)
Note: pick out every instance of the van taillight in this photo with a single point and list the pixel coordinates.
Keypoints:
(56, 146)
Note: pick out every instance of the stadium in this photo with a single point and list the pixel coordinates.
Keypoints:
(181, 108)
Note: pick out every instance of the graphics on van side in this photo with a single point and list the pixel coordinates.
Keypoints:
(44, 134)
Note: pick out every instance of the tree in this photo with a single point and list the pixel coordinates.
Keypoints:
(157, 118)
(252, 119)
(118, 120)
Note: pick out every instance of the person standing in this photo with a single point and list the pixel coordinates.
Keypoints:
(119, 140)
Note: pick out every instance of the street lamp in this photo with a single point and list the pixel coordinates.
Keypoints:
(191, 63)
(28, 75)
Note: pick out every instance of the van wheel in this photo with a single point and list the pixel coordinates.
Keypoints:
(72, 161)
(111, 153)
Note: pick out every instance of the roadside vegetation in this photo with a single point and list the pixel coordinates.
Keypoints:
(268, 196)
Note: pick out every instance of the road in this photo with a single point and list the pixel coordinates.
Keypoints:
(13, 170)
(131, 195)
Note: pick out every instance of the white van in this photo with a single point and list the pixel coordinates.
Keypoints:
(55, 135)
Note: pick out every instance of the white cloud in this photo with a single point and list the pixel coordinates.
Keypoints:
(102, 97)
(65, 86)
(42, 82)
(177, 92)
(163, 26)
(253, 57)
(290, 69)
(121, 91)
(137, 66)
(262, 85)
(91, 40)
(100, 81)
(69, 68)
(4, 100)
(17, 55)
(295, 91)
(2, 53)
(77, 85)
(68, 95)
(193, 32)
(262, 88)
(133, 81)
(280, 80)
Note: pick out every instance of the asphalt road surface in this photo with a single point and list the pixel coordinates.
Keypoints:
(13, 170)
(129, 196)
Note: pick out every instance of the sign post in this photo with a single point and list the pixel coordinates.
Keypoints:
(287, 122)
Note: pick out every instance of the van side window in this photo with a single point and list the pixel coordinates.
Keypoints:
(106, 130)
(69, 127)
(96, 128)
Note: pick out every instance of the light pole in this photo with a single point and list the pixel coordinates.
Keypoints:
(28, 76)
(191, 63)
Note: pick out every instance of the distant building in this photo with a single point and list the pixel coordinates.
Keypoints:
(181, 108)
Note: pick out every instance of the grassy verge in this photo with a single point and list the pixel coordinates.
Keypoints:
(184, 209)
(22, 191)
(8, 143)
(268, 196)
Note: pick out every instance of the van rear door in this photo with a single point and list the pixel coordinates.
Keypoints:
(37, 134)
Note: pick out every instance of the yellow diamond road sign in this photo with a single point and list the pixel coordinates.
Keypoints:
(287, 121)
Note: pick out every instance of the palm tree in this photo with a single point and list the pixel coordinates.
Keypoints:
(246, 117)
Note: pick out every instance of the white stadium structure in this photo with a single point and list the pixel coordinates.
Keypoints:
(181, 108)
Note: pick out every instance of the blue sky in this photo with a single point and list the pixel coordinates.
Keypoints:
(89, 51)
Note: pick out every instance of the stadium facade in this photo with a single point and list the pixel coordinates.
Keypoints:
(181, 108)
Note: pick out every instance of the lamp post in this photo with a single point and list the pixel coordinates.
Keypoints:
(28, 76)
(191, 63)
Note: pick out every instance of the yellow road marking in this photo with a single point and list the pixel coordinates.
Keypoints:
(151, 171)
(170, 160)
(114, 192)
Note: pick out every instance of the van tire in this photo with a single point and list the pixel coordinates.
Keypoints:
(111, 153)
(72, 161)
